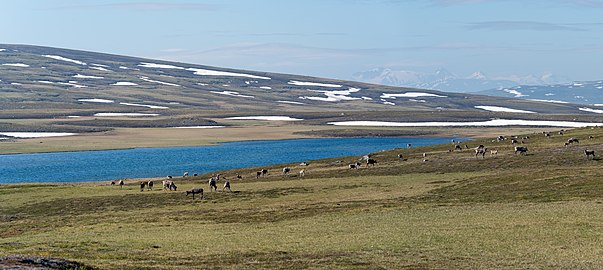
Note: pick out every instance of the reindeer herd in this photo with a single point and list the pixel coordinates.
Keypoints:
(517, 143)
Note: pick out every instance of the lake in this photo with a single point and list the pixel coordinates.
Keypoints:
(158, 162)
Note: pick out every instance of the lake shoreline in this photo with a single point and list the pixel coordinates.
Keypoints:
(125, 139)
(153, 163)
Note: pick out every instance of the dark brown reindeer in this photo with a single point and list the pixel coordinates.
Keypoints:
(589, 153)
(195, 191)
(370, 161)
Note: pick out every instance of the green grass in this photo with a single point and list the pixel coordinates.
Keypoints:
(540, 211)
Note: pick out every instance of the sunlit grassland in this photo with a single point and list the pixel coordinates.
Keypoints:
(454, 211)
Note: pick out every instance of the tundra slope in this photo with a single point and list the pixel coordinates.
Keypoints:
(55, 82)
(453, 211)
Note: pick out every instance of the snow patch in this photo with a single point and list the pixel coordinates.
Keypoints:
(26, 135)
(489, 123)
(231, 93)
(96, 100)
(60, 58)
(515, 92)
(100, 68)
(80, 76)
(201, 71)
(16, 65)
(550, 101)
(143, 105)
(73, 84)
(209, 72)
(314, 84)
(502, 109)
(99, 65)
(290, 102)
(154, 65)
(266, 87)
(146, 79)
(265, 118)
(125, 84)
(410, 95)
(125, 114)
(16, 83)
(334, 96)
(590, 110)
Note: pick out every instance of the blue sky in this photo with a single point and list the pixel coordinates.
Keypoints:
(327, 38)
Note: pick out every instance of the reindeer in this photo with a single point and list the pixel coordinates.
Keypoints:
(195, 191)
(370, 161)
(589, 153)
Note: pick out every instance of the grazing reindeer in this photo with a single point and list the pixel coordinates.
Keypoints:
(481, 151)
(589, 153)
(150, 185)
(458, 147)
(226, 185)
(195, 191)
(213, 184)
(493, 152)
(572, 140)
(142, 185)
(302, 173)
(258, 174)
(370, 161)
(121, 183)
(239, 177)
(286, 170)
(185, 174)
(521, 150)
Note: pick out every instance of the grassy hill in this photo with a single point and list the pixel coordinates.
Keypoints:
(45, 89)
(437, 209)
(51, 82)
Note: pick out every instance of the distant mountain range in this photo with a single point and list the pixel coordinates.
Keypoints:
(444, 80)
(587, 92)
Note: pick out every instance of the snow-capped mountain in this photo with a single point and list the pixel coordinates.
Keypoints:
(444, 80)
(587, 92)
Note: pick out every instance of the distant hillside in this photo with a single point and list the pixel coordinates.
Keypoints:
(443, 80)
(51, 81)
(588, 92)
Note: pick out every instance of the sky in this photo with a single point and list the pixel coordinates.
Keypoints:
(327, 38)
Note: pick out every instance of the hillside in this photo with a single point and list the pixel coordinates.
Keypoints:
(59, 81)
(583, 92)
(66, 100)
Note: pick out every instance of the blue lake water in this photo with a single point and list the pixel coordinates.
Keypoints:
(158, 162)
